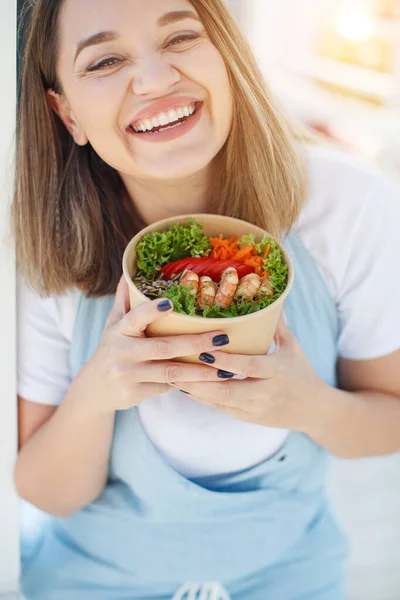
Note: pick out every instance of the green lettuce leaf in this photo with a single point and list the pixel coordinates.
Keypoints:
(277, 269)
(247, 240)
(238, 309)
(183, 302)
(179, 241)
(274, 263)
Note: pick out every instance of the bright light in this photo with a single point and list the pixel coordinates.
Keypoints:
(355, 22)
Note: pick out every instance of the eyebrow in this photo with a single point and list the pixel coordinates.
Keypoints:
(176, 15)
(110, 36)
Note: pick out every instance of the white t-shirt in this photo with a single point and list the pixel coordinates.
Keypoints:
(350, 226)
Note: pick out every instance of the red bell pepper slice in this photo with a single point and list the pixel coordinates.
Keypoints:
(205, 266)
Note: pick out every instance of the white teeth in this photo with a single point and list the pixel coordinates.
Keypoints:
(173, 116)
(164, 119)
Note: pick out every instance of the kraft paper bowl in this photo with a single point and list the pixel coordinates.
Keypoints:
(250, 334)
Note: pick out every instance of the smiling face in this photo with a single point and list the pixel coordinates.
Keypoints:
(144, 84)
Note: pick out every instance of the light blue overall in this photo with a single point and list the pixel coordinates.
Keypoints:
(266, 533)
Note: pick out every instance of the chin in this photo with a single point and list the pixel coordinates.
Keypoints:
(179, 168)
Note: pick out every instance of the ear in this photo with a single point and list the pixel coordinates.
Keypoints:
(59, 104)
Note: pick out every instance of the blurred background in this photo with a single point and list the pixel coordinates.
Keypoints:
(335, 65)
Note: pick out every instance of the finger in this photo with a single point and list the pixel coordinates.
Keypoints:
(283, 335)
(136, 320)
(143, 392)
(165, 348)
(167, 372)
(121, 303)
(235, 412)
(256, 367)
(232, 394)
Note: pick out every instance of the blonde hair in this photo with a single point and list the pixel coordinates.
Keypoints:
(71, 214)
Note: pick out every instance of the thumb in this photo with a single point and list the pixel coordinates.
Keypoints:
(121, 303)
(283, 335)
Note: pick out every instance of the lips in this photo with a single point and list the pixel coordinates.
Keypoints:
(163, 106)
(170, 132)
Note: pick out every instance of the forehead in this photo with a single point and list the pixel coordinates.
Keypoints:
(82, 18)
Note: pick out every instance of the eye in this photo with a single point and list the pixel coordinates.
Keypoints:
(183, 37)
(107, 63)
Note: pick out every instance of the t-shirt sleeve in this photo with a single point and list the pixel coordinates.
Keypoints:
(369, 294)
(43, 373)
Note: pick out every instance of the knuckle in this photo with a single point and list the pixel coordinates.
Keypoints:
(162, 348)
(228, 392)
(205, 374)
(171, 373)
(252, 368)
(131, 318)
(130, 347)
(200, 344)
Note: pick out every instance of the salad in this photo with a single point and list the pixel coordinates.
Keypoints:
(210, 277)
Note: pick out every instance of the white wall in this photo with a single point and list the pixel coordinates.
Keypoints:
(9, 552)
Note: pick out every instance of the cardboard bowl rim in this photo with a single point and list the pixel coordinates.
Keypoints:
(194, 318)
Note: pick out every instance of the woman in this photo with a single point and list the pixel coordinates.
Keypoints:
(132, 111)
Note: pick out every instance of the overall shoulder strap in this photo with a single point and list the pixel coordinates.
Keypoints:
(89, 325)
(311, 311)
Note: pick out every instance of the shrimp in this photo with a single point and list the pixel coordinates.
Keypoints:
(248, 287)
(207, 292)
(188, 278)
(266, 290)
(227, 288)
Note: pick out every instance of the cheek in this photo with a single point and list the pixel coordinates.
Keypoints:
(213, 76)
(223, 97)
(97, 103)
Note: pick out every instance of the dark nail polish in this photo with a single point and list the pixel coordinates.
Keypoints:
(207, 358)
(183, 392)
(164, 305)
(220, 340)
(225, 374)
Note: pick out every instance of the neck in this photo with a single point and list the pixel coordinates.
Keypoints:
(156, 200)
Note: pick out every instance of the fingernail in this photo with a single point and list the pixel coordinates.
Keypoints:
(164, 305)
(225, 374)
(220, 340)
(183, 392)
(207, 358)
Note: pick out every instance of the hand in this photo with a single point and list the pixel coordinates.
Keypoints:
(282, 389)
(128, 368)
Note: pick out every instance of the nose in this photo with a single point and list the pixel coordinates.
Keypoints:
(154, 76)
